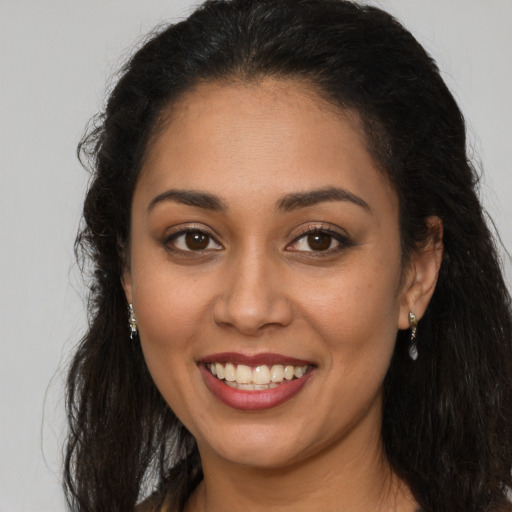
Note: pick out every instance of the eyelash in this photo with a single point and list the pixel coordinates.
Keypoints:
(170, 241)
(343, 241)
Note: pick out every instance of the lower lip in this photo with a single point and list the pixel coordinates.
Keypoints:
(253, 400)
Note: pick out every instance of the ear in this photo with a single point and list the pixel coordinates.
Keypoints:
(126, 281)
(421, 274)
(126, 278)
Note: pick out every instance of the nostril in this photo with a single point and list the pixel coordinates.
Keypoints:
(251, 317)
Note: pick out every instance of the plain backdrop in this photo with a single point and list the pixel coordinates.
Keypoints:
(56, 59)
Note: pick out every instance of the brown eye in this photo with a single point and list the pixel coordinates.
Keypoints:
(192, 240)
(319, 241)
(195, 240)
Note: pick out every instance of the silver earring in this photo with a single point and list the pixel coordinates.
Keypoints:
(132, 323)
(413, 349)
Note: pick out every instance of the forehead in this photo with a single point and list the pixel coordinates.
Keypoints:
(265, 138)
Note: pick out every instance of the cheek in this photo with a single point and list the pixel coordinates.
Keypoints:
(356, 314)
(168, 315)
(358, 326)
(169, 318)
(171, 309)
(168, 301)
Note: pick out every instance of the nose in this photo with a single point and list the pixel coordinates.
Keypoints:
(252, 298)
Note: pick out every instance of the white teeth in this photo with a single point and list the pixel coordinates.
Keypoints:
(243, 374)
(229, 372)
(219, 370)
(251, 387)
(261, 375)
(259, 378)
(289, 372)
(277, 373)
(299, 371)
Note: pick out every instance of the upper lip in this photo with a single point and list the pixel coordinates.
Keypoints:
(266, 358)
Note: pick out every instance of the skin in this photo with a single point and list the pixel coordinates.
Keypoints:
(260, 287)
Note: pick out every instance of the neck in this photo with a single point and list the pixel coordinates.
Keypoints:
(353, 476)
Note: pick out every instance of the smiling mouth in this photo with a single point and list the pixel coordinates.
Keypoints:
(257, 378)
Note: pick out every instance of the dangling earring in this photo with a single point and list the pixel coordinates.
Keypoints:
(413, 349)
(132, 323)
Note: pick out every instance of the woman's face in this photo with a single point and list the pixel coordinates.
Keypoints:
(265, 249)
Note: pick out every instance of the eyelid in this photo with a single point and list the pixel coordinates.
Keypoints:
(338, 234)
(323, 227)
(182, 230)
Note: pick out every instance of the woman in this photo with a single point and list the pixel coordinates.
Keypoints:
(317, 319)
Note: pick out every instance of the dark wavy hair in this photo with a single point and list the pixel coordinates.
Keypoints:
(447, 421)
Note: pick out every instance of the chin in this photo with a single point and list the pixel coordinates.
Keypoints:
(256, 453)
(261, 446)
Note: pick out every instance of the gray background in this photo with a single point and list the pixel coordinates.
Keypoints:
(56, 58)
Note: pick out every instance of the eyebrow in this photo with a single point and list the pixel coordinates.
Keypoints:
(288, 203)
(298, 200)
(190, 198)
